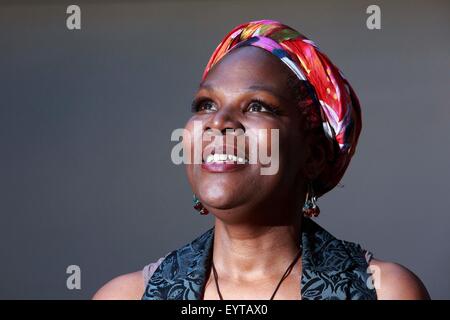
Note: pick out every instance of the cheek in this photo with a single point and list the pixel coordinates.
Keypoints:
(279, 138)
(291, 149)
(263, 137)
(190, 140)
(296, 154)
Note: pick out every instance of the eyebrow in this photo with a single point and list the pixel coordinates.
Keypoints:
(257, 87)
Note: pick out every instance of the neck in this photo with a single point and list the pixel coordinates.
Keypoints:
(247, 252)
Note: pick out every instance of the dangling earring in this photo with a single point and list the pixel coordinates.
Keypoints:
(310, 208)
(199, 206)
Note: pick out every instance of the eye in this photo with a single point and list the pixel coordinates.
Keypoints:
(260, 106)
(203, 105)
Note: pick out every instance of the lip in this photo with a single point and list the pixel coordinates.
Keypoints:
(232, 149)
(227, 166)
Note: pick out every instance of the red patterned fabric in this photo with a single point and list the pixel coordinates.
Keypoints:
(339, 106)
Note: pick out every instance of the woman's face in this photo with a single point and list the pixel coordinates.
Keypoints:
(248, 90)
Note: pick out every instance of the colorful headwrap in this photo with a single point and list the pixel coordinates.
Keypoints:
(340, 111)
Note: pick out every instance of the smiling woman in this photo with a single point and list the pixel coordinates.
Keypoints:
(265, 75)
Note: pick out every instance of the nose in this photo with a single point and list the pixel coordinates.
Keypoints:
(225, 119)
(228, 121)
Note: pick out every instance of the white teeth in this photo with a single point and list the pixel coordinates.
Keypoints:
(218, 157)
(210, 158)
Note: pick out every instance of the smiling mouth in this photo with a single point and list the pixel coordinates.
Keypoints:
(223, 162)
(224, 158)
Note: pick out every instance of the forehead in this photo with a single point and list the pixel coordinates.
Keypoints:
(249, 67)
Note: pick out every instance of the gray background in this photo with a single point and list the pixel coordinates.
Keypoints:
(86, 118)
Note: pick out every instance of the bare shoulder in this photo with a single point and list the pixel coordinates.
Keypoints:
(395, 282)
(129, 286)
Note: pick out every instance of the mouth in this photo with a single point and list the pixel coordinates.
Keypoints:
(224, 162)
(224, 157)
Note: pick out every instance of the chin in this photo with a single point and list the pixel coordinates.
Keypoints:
(220, 197)
(220, 202)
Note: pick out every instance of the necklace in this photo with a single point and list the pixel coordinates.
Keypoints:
(285, 275)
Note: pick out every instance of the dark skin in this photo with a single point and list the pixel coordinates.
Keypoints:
(257, 216)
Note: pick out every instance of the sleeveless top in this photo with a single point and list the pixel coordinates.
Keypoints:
(332, 269)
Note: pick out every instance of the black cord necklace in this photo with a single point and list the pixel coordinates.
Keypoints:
(285, 275)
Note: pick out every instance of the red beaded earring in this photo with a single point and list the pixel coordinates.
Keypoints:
(199, 206)
(310, 208)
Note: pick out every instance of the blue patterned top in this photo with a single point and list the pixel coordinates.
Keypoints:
(332, 269)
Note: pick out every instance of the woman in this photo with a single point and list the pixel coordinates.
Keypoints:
(264, 244)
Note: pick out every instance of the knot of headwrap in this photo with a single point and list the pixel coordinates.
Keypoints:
(340, 111)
